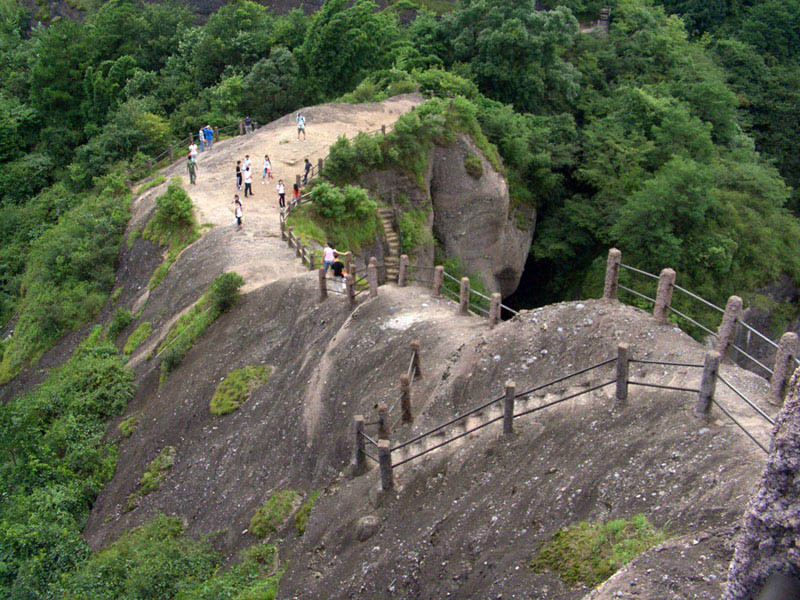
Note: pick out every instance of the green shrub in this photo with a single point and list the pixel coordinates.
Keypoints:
(236, 388)
(590, 553)
(414, 231)
(121, 318)
(474, 166)
(116, 293)
(53, 463)
(223, 292)
(136, 338)
(345, 234)
(274, 513)
(155, 182)
(301, 518)
(127, 426)
(153, 476)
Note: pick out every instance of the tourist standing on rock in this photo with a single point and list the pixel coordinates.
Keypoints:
(338, 272)
(295, 194)
(209, 135)
(191, 166)
(237, 211)
(246, 163)
(238, 174)
(248, 125)
(301, 126)
(307, 171)
(193, 151)
(267, 169)
(248, 182)
(201, 137)
(281, 193)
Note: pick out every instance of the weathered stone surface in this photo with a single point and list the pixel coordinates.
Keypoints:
(768, 541)
(367, 527)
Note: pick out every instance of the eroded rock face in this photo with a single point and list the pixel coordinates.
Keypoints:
(472, 218)
(770, 538)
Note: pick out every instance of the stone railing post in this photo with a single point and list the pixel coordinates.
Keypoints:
(289, 239)
(149, 164)
(283, 226)
(383, 129)
(708, 384)
(241, 127)
(385, 462)
(612, 274)
(384, 429)
(415, 354)
(320, 164)
(494, 310)
(787, 350)
(323, 285)
(347, 262)
(401, 273)
(359, 461)
(463, 298)
(351, 289)
(623, 359)
(664, 295)
(298, 248)
(438, 277)
(727, 329)
(310, 254)
(405, 398)
(508, 408)
(171, 154)
(372, 278)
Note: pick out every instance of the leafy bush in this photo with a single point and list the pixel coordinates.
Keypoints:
(590, 553)
(274, 513)
(236, 387)
(154, 182)
(301, 518)
(153, 476)
(223, 292)
(346, 234)
(127, 426)
(53, 463)
(121, 318)
(414, 231)
(474, 166)
(136, 338)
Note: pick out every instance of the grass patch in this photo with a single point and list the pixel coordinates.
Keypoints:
(345, 234)
(174, 226)
(128, 426)
(222, 294)
(156, 181)
(590, 553)
(473, 165)
(121, 318)
(274, 513)
(116, 293)
(301, 518)
(236, 388)
(154, 475)
(136, 338)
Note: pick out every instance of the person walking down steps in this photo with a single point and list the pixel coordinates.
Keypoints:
(237, 211)
(191, 167)
(338, 272)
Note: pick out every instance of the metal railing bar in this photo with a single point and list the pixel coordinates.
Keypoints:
(452, 439)
(635, 293)
(564, 399)
(635, 270)
(747, 433)
(755, 360)
(369, 439)
(692, 321)
(446, 274)
(664, 387)
(698, 298)
(411, 366)
(511, 310)
(759, 334)
(769, 419)
(368, 455)
(471, 291)
(447, 424)
(565, 377)
(661, 362)
(420, 268)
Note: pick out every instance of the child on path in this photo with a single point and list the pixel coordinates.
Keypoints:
(295, 194)
(191, 166)
(267, 169)
(238, 174)
(301, 126)
(237, 211)
(338, 272)
(246, 163)
(281, 193)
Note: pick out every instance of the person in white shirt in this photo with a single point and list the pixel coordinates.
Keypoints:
(246, 163)
(267, 169)
(301, 126)
(248, 182)
(193, 151)
(237, 211)
(281, 193)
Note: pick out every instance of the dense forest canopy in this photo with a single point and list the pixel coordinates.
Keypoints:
(672, 137)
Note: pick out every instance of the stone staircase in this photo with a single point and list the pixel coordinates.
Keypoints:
(392, 258)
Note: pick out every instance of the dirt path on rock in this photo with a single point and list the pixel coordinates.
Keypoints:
(257, 253)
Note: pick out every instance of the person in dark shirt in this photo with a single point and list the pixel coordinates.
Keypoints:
(307, 171)
(238, 174)
(338, 272)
